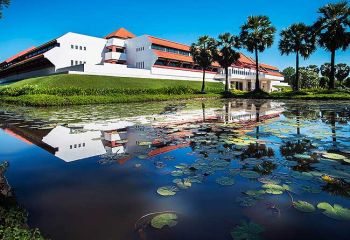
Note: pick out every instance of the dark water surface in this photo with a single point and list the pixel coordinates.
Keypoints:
(91, 172)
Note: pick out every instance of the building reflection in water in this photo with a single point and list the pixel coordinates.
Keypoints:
(124, 137)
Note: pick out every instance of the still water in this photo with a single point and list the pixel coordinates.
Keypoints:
(221, 169)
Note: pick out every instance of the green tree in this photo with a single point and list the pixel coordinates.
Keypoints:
(326, 70)
(288, 74)
(313, 68)
(226, 53)
(324, 81)
(342, 72)
(332, 29)
(308, 79)
(4, 4)
(257, 34)
(202, 54)
(297, 39)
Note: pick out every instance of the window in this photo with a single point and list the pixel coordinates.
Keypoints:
(81, 62)
(70, 146)
(84, 48)
(72, 46)
(71, 62)
(81, 48)
(76, 47)
(76, 62)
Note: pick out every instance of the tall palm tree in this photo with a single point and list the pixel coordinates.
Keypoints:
(257, 34)
(332, 29)
(225, 53)
(202, 54)
(297, 39)
(3, 3)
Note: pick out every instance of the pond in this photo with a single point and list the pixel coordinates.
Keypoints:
(242, 169)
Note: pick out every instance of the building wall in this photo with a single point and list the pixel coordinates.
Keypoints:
(146, 56)
(124, 71)
(62, 56)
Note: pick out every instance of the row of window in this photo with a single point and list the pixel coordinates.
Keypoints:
(140, 65)
(171, 50)
(139, 49)
(77, 145)
(75, 62)
(238, 72)
(78, 47)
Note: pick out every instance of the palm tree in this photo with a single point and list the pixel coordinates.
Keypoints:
(297, 39)
(202, 54)
(3, 3)
(332, 29)
(257, 34)
(225, 53)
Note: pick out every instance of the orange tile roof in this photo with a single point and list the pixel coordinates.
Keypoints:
(121, 33)
(245, 60)
(167, 43)
(178, 57)
(277, 74)
(19, 54)
(268, 66)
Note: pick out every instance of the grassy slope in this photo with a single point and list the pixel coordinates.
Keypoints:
(103, 82)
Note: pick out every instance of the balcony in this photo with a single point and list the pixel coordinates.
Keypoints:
(115, 42)
(115, 56)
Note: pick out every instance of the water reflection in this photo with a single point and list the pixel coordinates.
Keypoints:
(238, 159)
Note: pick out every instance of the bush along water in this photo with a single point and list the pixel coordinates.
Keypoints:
(13, 218)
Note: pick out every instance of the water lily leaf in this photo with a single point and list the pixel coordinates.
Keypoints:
(184, 184)
(225, 181)
(333, 156)
(336, 212)
(249, 174)
(302, 175)
(165, 219)
(247, 231)
(303, 206)
(167, 190)
(177, 173)
(302, 156)
(255, 193)
(274, 191)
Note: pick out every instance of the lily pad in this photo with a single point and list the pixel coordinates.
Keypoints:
(250, 174)
(167, 190)
(333, 156)
(304, 206)
(165, 219)
(225, 181)
(302, 156)
(183, 184)
(247, 231)
(273, 189)
(336, 211)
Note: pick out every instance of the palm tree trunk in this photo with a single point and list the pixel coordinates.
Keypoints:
(203, 83)
(257, 82)
(226, 80)
(332, 77)
(296, 80)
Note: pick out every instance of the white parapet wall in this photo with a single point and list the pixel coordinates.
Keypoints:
(118, 70)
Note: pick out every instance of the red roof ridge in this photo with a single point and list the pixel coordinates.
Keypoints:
(121, 33)
(19, 54)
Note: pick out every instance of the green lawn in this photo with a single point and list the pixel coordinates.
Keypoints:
(59, 90)
(105, 82)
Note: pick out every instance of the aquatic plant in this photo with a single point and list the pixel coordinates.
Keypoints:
(164, 219)
(336, 211)
(247, 231)
(304, 206)
(167, 190)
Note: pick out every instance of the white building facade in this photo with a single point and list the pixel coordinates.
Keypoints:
(123, 54)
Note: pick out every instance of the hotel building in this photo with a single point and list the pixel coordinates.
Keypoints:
(123, 54)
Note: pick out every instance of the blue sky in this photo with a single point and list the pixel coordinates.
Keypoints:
(30, 23)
